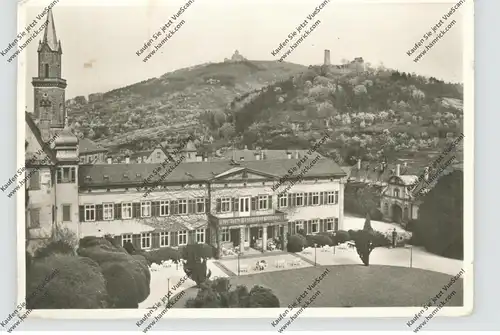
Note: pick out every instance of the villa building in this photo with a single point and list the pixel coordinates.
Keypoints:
(162, 202)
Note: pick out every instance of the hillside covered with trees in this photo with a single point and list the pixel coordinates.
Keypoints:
(139, 115)
(370, 115)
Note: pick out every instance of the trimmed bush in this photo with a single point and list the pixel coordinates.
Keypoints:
(296, 243)
(77, 284)
(261, 297)
(90, 241)
(341, 236)
(129, 247)
(120, 284)
(136, 265)
(199, 249)
(56, 247)
(320, 240)
(162, 254)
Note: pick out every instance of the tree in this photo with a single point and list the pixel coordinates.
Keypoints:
(440, 223)
(366, 241)
(195, 266)
(368, 226)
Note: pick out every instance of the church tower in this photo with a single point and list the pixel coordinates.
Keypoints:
(49, 87)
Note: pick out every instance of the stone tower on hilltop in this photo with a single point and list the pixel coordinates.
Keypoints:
(327, 57)
(49, 86)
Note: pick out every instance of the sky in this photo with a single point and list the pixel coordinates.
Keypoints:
(99, 40)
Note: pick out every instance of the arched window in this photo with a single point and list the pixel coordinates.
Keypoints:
(396, 192)
(46, 70)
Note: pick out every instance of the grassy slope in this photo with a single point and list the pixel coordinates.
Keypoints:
(357, 286)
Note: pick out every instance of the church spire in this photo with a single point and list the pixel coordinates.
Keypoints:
(49, 36)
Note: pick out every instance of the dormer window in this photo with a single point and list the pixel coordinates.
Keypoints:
(106, 177)
(125, 176)
(88, 178)
(138, 175)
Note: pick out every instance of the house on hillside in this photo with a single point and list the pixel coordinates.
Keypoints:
(161, 152)
(261, 154)
(91, 152)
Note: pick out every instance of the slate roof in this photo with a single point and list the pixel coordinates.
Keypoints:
(135, 173)
(38, 135)
(249, 155)
(86, 146)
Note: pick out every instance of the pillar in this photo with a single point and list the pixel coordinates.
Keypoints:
(264, 238)
(242, 239)
(284, 237)
(218, 239)
(341, 203)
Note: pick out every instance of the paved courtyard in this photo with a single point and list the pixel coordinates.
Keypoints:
(287, 259)
(160, 281)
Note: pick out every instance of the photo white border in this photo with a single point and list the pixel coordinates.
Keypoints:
(467, 12)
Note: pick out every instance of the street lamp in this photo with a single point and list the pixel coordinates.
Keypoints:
(411, 254)
(315, 254)
(334, 242)
(239, 253)
(168, 290)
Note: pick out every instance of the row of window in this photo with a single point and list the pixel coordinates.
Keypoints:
(144, 209)
(263, 202)
(315, 226)
(182, 238)
(308, 199)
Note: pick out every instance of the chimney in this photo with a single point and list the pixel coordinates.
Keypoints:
(327, 57)
(257, 155)
(127, 159)
(398, 169)
(296, 154)
(242, 158)
(426, 173)
(359, 164)
(110, 160)
(289, 155)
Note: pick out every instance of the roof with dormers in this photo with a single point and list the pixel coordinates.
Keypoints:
(134, 174)
(86, 146)
(250, 155)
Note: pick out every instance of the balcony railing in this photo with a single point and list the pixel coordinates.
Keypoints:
(245, 220)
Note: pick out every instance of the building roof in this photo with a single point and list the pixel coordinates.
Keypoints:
(38, 135)
(86, 146)
(102, 175)
(66, 138)
(249, 155)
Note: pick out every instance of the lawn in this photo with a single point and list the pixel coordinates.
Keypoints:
(357, 286)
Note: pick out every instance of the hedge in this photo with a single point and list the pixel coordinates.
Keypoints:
(320, 240)
(162, 254)
(103, 252)
(296, 243)
(78, 284)
(56, 247)
(121, 286)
